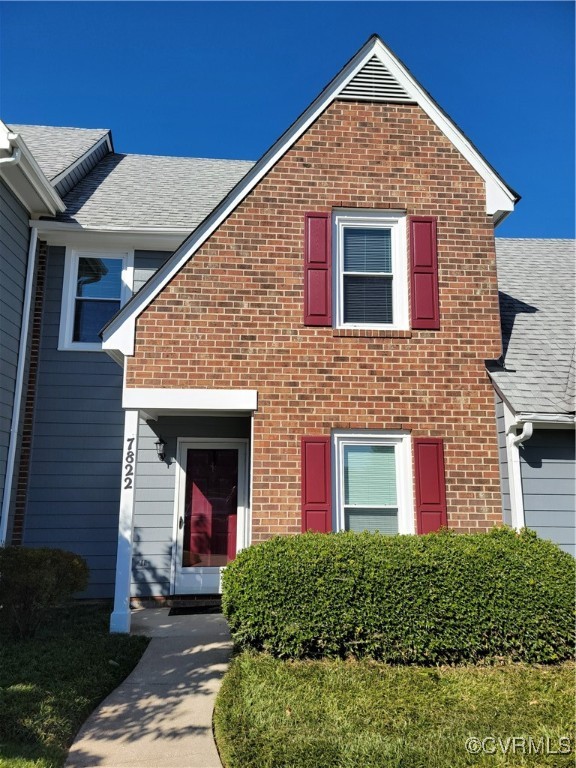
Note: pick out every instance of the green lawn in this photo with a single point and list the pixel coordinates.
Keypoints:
(50, 684)
(340, 714)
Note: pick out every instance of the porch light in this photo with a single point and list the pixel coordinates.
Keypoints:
(160, 446)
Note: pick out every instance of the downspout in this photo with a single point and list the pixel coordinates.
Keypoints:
(19, 384)
(513, 443)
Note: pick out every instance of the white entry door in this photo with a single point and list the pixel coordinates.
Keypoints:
(211, 512)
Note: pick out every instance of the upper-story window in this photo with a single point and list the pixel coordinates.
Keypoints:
(370, 277)
(96, 284)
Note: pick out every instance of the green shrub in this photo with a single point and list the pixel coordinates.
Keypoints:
(32, 580)
(435, 599)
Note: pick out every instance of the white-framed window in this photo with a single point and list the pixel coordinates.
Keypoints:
(370, 256)
(96, 284)
(373, 482)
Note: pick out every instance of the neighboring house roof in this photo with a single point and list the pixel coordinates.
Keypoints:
(536, 279)
(150, 192)
(374, 73)
(56, 149)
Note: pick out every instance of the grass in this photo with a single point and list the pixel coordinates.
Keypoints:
(51, 683)
(345, 714)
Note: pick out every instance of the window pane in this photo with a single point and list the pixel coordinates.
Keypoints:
(99, 278)
(367, 250)
(90, 317)
(369, 475)
(383, 520)
(367, 299)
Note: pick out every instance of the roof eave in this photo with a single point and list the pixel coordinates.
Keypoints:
(76, 235)
(538, 417)
(26, 180)
(546, 418)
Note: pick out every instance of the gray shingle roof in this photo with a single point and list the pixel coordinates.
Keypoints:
(55, 149)
(147, 191)
(536, 279)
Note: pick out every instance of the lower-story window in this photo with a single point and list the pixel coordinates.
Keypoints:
(372, 479)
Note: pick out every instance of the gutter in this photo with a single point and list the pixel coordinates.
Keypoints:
(14, 158)
(18, 388)
(546, 418)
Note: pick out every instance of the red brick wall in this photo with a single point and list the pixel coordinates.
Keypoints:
(233, 316)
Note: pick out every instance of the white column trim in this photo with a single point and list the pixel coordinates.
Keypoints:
(120, 618)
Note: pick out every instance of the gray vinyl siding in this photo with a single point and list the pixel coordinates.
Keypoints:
(14, 242)
(547, 466)
(145, 265)
(154, 495)
(503, 457)
(74, 486)
(82, 169)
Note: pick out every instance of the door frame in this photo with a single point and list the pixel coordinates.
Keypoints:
(206, 577)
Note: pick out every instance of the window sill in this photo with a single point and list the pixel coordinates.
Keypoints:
(371, 333)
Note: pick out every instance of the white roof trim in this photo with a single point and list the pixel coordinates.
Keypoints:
(136, 238)
(67, 171)
(158, 400)
(26, 179)
(119, 334)
(546, 418)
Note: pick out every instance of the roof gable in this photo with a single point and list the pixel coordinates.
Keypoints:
(373, 68)
(375, 82)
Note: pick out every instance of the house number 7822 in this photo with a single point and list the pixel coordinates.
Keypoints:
(129, 464)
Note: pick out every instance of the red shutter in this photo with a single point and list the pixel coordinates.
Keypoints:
(316, 491)
(430, 484)
(424, 273)
(317, 269)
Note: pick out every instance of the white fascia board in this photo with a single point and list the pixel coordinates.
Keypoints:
(78, 236)
(67, 171)
(157, 400)
(115, 338)
(498, 196)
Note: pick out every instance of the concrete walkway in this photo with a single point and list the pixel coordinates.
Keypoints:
(161, 715)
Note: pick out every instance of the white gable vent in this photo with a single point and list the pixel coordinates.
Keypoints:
(374, 83)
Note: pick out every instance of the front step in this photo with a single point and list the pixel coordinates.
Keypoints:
(195, 601)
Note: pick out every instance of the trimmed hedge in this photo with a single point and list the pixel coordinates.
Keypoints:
(35, 579)
(443, 598)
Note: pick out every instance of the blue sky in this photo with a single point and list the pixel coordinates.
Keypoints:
(225, 79)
